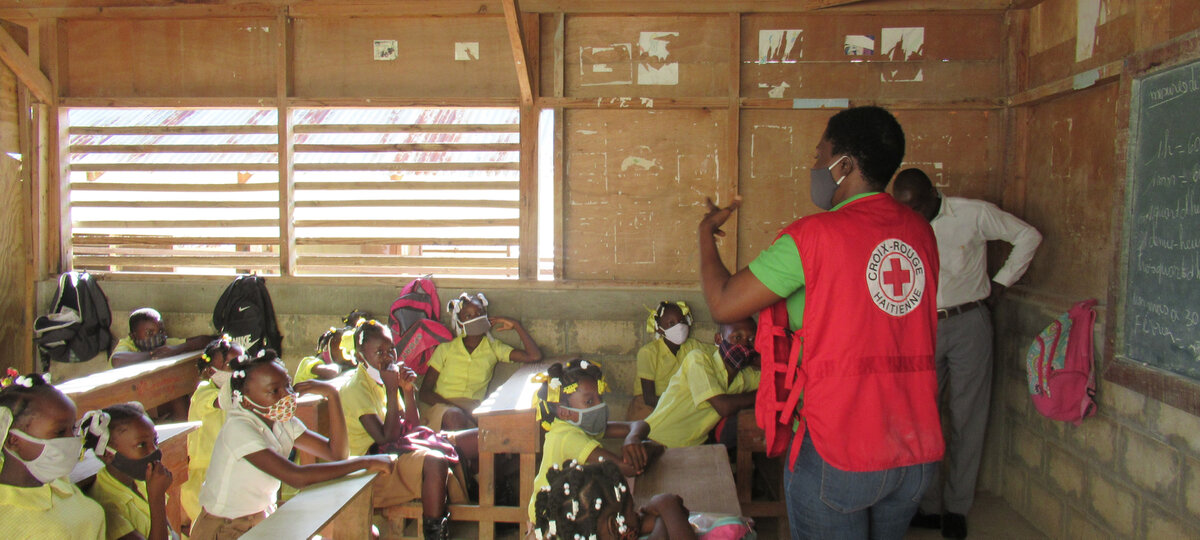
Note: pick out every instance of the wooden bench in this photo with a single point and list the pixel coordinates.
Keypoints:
(699, 474)
(338, 509)
(151, 383)
(172, 440)
(507, 425)
(751, 440)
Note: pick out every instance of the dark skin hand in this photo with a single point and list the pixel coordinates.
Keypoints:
(136, 439)
(636, 452)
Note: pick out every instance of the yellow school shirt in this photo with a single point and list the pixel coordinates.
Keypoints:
(304, 370)
(55, 510)
(124, 510)
(655, 362)
(200, 443)
(362, 395)
(126, 344)
(463, 374)
(563, 442)
(683, 416)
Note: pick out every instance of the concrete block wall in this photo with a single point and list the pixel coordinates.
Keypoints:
(603, 324)
(1131, 471)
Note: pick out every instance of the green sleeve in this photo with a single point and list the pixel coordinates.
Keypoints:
(778, 267)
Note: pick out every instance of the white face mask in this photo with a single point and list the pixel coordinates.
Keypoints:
(221, 378)
(676, 334)
(59, 456)
(373, 373)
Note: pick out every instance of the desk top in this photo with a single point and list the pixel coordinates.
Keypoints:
(116, 376)
(516, 394)
(701, 475)
(90, 464)
(337, 382)
(312, 508)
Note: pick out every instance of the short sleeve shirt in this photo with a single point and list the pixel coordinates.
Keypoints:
(463, 374)
(361, 396)
(234, 487)
(684, 416)
(656, 362)
(304, 370)
(125, 510)
(563, 442)
(203, 409)
(56, 510)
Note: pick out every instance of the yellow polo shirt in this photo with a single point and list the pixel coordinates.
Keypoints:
(55, 510)
(655, 362)
(463, 374)
(304, 370)
(683, 416)
(200, 444)
(124, 510)
(126, 344)
(362, 395)
(563, 442)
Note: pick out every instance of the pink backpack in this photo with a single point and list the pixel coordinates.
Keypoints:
(1059, 366)
(415, 322)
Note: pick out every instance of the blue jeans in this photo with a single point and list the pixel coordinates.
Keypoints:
(824, 502)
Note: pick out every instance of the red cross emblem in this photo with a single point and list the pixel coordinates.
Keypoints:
(895, 277)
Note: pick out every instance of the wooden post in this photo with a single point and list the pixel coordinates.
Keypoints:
(516, 35)
(733, 134)
(527, 264)
(287, 156)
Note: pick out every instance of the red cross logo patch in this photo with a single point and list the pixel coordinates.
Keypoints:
(895, 277)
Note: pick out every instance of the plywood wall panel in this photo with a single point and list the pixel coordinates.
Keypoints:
(335, 58)
(944, 57)
(1068, 37)
(14, 229)
(635, 188)
(170, 58)
(1070, 166)
(652, 56)
(959, 150)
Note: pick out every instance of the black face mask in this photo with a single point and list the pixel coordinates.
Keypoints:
(135, 468)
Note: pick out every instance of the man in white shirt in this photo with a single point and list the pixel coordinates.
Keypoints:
(964, 348)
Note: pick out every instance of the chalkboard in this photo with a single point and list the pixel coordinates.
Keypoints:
(1162, 275)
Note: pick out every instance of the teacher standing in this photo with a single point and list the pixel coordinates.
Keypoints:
(859, 284)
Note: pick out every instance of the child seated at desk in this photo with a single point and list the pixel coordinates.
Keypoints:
(41, 447)
(658, 360)
(147, 340)
(382, 416)
(593, 501)
(249, 459)
(709, 390)
(461, 369)
(571, 408)
(132, 486)
(209, 403)
(328, 361)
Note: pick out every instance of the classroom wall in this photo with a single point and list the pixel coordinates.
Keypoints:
(1132, 471)
(14, 195)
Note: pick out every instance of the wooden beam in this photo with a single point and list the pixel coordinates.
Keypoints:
(25, 68)
(516, 36)
(633, 102)
(1100, 75)
(287, 151)
(733, 129)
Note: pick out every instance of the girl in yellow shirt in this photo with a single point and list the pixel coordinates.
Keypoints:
(208, 405)
(657, 361)
(132, 486)
(41, 447)
(327, 363)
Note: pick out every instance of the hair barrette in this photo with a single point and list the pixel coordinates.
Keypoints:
(238, 374)
(24, 381)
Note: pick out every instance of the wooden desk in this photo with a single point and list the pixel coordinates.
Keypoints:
(507, 425)
(699, 474)
(313, 410)
(339, 508)
(151, 383)
(751, 439)
(172, 440)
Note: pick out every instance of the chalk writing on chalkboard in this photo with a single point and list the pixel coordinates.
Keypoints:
(1162, 294)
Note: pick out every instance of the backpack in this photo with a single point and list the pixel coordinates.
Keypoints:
(246, 313)
(77, 327)
(1058, 366)
(415, 323)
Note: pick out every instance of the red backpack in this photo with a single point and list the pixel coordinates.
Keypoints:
(1059, 366)
(415, 322)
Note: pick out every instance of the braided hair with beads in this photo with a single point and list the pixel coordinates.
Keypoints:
(560, 380)
(577, 499)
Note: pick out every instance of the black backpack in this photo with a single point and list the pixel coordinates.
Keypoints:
(245, 312)
(77, 327)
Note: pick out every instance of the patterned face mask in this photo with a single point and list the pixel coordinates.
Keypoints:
(150, 343)
(280, 411)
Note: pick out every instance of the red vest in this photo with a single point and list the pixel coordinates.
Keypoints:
(866, 374)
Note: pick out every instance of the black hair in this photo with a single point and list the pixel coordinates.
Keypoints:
(915, 180)
(221, 345)
(572, 372)
(368, 329)
(753, 324)
(328, 337)
(248, 364)
(16, 398)
(118, 414)
(665, 305)
(873, 137)
(577, 497)
(353, 317)
(142, 315)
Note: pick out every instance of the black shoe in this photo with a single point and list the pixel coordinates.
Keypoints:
(436, 528)
(954, 525)
(926, 521)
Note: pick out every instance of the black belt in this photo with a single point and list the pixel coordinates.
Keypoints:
(958, 310)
